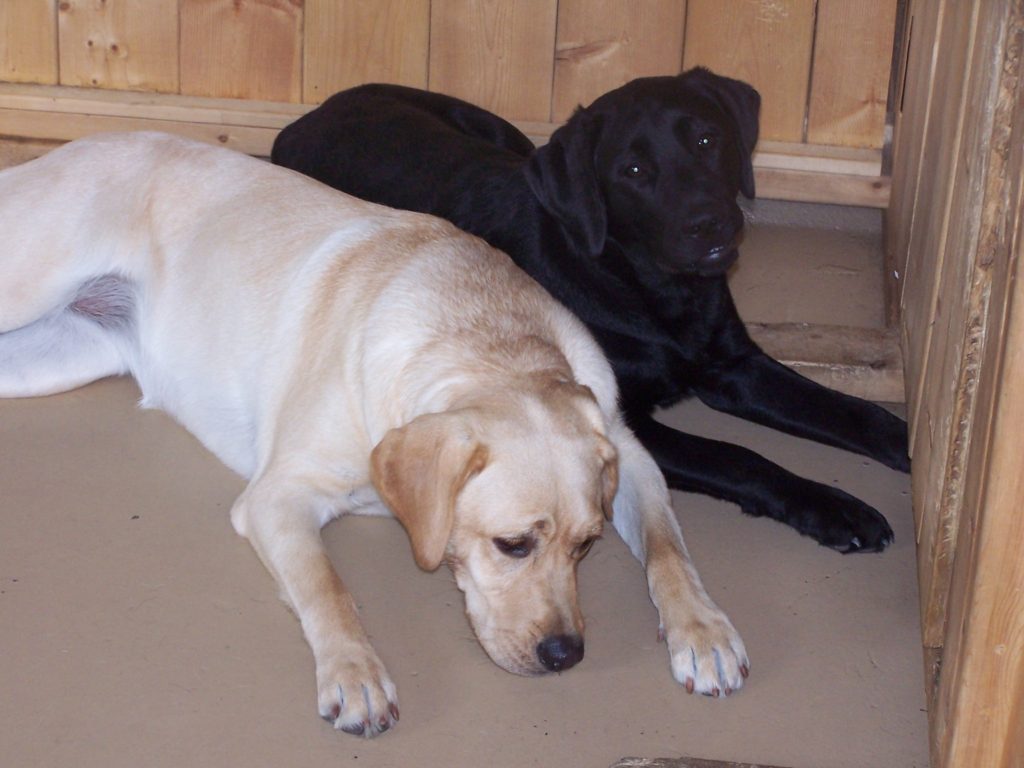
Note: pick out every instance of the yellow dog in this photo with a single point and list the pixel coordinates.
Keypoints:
(348, 358)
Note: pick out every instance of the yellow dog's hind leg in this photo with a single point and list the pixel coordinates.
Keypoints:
(86, 339)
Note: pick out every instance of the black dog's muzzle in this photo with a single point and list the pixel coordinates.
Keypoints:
(717, 260)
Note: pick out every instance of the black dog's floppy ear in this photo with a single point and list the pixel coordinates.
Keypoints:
(742, 103)
(562, 176)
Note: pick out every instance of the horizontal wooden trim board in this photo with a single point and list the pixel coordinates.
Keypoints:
(783, 171)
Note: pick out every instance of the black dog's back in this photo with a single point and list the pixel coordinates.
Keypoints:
(394, 165)
(436, 154)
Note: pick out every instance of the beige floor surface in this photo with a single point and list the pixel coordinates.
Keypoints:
(818, 264)
(136, 629)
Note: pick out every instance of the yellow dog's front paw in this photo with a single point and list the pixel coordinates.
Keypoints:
(707, 654)
(355, 694)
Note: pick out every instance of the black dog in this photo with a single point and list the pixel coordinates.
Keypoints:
(627, 216)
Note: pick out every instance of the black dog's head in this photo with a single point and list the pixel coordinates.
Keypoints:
(656, 166)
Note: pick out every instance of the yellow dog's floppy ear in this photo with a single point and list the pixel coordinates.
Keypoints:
(609, 475)
(419, 470)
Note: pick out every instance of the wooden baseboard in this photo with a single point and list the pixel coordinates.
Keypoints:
(59, 113)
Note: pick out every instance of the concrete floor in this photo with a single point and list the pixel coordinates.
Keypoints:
(137, 629)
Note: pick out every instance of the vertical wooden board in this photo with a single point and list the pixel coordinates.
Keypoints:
(242, 49)
(982, 675)
(981, 699)
(912, 116)
(348, 42)
(119, 44)
(28, 41)
(764, 42)
(939, 274)
(996, 384)
(850, 79)
(498, 54)
(939, 149)
(963, 289)
(603, 44)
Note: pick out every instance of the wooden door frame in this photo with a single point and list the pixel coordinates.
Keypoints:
(956, 223)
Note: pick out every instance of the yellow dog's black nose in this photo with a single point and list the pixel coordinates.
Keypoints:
(559, 652)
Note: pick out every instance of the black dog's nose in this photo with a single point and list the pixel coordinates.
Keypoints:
(716, 223)
(559, 652)
(705, 225)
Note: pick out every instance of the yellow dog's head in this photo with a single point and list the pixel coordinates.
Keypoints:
(511, 492)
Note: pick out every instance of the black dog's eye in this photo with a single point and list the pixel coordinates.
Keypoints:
(634, 171)
(707, 141)
(581, 550)
(517, 548)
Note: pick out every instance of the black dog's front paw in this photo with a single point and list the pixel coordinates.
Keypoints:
(831, 517)
(861, 529)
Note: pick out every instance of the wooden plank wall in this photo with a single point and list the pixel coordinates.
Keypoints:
(28, 42)
(956, 233)
(529, 60)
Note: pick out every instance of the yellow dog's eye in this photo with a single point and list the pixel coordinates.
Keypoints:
(582, 549)
(517, 548)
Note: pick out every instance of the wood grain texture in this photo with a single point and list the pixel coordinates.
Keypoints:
(242, 49)
(28, 41)
(814, 187)
(912, 113)
(962, 160)
(348, 42)
(767, 44)
(498, 54)
(602, 44)
(980, 699)
(959, 331)
(981, 685)
(119, 44)
(62, 114)
(850, 80)
(937, 277)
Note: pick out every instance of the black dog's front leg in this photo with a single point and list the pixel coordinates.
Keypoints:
(753, 386)
(733, 473)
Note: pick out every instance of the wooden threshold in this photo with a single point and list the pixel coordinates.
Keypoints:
(682, 762)
(783, 171)
(863, 362)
